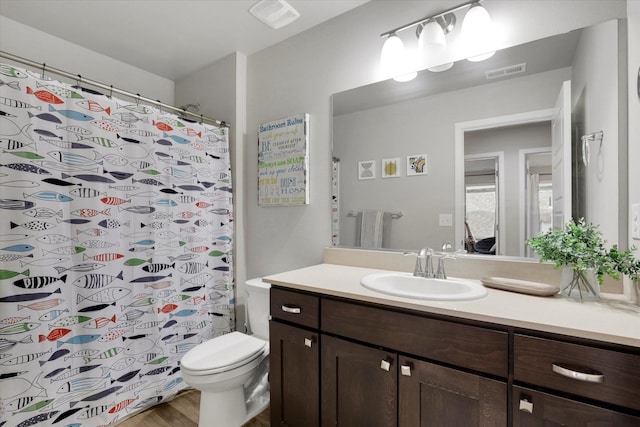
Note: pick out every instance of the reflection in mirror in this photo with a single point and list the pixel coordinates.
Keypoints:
(391, 123)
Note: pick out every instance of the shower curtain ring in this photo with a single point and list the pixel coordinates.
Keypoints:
(201, 119)
(79, 82)
(111, 91)
(137, 99)
(43, 67)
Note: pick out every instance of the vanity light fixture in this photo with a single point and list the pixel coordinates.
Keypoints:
(431, 32)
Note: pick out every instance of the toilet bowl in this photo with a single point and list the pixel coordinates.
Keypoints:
(228, 369)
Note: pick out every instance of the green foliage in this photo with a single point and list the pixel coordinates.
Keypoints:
(581, 246)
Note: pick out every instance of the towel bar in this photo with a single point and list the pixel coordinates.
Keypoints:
(394, 215)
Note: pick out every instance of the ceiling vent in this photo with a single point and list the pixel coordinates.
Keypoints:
(274, 13)
(506, 71)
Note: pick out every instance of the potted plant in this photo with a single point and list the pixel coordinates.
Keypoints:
(582, 251)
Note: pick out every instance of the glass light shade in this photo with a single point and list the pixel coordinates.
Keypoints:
(440, 68)
(396, 61)
(432, 44)
(432, 37)
(477, 33)
(392, 52)
(406, 77)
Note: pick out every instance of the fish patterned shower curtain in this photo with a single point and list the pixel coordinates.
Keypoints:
(115, 249)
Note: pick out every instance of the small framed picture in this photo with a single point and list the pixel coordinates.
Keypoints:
(390, 168)
(367, 169)
(417, 165)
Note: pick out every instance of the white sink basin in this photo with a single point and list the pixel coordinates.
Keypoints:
(409, 286)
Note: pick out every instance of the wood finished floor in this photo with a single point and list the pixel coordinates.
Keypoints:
(182, 412)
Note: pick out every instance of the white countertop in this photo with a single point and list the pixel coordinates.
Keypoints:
(611, 319)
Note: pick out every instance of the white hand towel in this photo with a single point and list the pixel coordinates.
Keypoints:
(371, 229)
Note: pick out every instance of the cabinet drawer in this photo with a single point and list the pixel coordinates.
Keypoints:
(600, 374)
(471, 347)
(295, 307)
(533, 408)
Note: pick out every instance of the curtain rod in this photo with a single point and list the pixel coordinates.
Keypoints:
(110, 88)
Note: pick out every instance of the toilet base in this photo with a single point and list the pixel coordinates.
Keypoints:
(228, 409)
(224, 409)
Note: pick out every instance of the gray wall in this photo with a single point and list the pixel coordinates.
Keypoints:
(595, 77)
(27, 42)
(300, 74)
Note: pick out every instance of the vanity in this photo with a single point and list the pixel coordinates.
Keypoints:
(344, 355)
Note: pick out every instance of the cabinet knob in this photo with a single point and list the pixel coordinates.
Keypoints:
(405, 370)
(589, 377)
(308, 342)
(526, 406)
(385, 365)
(291, 309)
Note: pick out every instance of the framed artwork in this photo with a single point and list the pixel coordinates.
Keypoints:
(417, 165)
(390, 168)
(367, 169)
(283, 162)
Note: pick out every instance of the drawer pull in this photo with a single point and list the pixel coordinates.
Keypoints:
(590, 377)
(290, 309)
(526, 406)
(405, 370)
(308, 342)
(385, 365)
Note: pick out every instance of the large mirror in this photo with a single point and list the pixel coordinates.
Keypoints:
(486, 154)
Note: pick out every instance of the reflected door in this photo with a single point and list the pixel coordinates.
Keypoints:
(561, 157)
(482, 204)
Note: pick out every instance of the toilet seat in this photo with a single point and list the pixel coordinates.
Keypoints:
(223, 354)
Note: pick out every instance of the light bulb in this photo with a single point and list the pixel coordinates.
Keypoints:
(477, 33)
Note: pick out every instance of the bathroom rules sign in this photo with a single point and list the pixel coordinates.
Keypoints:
(283, 161)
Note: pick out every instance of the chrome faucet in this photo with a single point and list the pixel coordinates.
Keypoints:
(426, 254)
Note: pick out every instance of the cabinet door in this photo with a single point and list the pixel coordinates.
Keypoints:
(433, 395)
(532, 408)
(359, 385)
(294, 376)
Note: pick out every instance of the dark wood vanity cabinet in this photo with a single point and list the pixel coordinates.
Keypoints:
(583, 384)
(438, 396)
(534, 408)
(294, 375)
(337, 362)
(359, 385)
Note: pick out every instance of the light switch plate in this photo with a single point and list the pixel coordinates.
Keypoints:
(635, 221)
(446, 220)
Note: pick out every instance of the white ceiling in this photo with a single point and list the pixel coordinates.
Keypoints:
(169, 38)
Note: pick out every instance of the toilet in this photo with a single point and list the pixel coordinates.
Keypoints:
(231, 370)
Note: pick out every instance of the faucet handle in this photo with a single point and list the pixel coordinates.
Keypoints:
(440, 274)
(447, 247)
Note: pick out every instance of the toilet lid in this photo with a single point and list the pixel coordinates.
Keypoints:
(223, 353)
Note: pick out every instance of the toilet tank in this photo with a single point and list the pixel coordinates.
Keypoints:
(258, 307)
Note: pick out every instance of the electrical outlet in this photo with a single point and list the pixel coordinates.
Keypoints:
(635, 221)
(446, 220)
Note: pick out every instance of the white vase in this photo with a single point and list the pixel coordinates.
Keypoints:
(580, 284)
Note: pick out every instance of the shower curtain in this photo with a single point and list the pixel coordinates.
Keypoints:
(115, 249)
